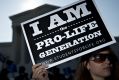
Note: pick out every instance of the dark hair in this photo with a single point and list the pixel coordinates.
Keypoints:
(82, 72)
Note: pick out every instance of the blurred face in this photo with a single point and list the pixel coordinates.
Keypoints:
(100, 64)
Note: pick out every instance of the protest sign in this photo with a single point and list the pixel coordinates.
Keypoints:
(66, 33)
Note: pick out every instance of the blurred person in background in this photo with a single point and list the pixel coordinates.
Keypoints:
(22, 74)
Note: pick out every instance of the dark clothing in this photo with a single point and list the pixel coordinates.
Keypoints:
(4, 74)
(22, 77)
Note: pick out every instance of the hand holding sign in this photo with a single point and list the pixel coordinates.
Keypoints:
(39, 72)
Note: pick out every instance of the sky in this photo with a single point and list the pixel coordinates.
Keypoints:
(107, 8)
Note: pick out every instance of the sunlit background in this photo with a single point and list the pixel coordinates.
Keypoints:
(108, 9)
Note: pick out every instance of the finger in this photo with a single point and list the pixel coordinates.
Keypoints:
(35, 66)
(39, 65)
(41, 74)
(38, 70)
(45, 66)
(35, 70)
(36, 73)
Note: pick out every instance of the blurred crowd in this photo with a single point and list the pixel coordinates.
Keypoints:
(10, 71)
(102, 59)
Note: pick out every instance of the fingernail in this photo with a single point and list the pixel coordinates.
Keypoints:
(45, 65)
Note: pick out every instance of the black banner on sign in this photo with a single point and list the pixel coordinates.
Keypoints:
(66, 33)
